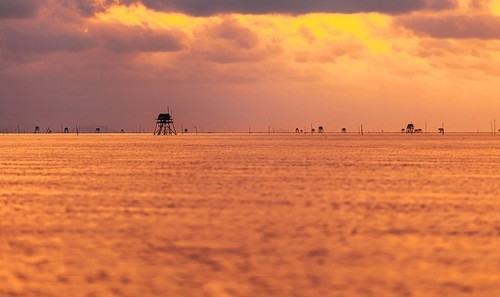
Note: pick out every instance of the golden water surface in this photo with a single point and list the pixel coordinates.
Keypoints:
(250, 215)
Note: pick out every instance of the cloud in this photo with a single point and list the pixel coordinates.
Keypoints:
(461, 57)
(204, 7)
(19, 8)
(228, 41)
(42, 39)
(229, 29)
(29, 8)
(90, 7)
(21, 41)
(349, 49)
(293, 7)
(127, 39)
(454, 26)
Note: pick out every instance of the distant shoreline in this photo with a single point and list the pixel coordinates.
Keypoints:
(481, 133)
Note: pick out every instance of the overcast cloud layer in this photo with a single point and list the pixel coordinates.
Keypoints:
(203, 7)
(294, 7)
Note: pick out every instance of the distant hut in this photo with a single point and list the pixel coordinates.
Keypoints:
(66, 130)
(165, 125)
(320, 129)
(97, 130)
(410, 128)
(441, 131)
(344, 130)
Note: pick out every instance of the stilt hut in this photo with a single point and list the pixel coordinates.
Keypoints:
(165, 125)
(410, 128)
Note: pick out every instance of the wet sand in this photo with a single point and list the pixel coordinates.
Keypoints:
(250, 215)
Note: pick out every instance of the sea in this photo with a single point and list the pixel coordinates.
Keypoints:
(222, 215)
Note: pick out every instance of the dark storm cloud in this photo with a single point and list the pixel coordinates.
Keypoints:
(210, 7)
(19, 8)
(454, 26)
(294, 7)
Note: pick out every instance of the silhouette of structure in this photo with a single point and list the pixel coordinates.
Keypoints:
(441, 131)
(97, 130)
(37, 129)
(66, 130)
(344, 130)
(297, 130)
(320, 129)
(410, 128)
(165, 125)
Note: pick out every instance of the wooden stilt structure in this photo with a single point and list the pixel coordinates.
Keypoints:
(165, 125)
(410, 128)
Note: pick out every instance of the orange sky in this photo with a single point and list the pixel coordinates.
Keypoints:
(229, 64)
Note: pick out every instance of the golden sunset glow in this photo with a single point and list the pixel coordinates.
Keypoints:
(139, 15)
(495, 7)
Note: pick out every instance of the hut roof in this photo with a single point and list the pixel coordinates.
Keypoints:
(164, 117)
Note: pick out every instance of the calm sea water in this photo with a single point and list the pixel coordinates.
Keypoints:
(249, 215)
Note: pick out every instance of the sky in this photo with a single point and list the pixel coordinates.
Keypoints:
(234, 65)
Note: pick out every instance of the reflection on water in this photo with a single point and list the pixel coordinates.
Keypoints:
(249, 215)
